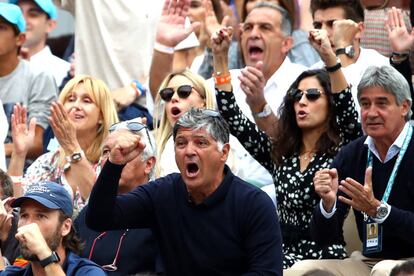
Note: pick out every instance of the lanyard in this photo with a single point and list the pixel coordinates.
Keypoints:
(396, 165)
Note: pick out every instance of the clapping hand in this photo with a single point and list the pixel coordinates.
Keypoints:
(23, 137)
(400, 39)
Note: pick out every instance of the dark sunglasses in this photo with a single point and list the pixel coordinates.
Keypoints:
(183, 91)
(312, 94)
(134, 127)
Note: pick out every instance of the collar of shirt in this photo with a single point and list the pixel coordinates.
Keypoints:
(395, 147)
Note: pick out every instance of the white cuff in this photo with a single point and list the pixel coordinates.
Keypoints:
(326, 214)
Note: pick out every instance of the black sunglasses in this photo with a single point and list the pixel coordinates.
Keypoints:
(183, 91)
(134, 127)
(312, 94)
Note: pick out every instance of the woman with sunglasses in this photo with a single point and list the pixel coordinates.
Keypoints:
(80, 122)
(316, 118)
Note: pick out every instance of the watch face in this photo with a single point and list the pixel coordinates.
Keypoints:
(349, 51)
(76, 157)
(382, 211)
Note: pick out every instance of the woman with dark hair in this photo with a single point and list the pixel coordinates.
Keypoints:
(316, 118)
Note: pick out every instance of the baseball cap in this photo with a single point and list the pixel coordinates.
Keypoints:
(49, 194)
(46, 5)
(12, 14)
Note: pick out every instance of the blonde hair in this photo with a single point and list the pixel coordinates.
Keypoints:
(102, 97)
(162, 127)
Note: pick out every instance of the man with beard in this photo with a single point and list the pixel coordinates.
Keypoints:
(46, 234)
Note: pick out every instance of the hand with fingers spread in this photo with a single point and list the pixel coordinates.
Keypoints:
(63, 128)
(23, 137)
(344, 32)
(124, 146)
(361, 196)
(326, 186)
(171, 28)
(400, 38)
(252, 83)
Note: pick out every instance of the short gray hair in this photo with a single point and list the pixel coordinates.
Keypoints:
(150, 149)
(207, 119)
(286, 25)
(389, 79)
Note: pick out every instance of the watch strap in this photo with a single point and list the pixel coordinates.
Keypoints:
(334, 68)
(53, 258)
(264, 113)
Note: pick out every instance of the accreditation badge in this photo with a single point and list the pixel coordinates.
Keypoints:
(372, 233)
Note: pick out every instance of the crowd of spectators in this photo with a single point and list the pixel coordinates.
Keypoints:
(207, 137)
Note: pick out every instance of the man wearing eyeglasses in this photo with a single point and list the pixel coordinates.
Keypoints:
(344, 22)
(46, 235)
(206, 220)
(124, 251)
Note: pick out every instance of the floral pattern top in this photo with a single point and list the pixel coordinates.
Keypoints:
(46, 168)
(296, 197)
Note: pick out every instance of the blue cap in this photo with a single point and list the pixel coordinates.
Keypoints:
(13, 15)
(46, 5)
(49, 194)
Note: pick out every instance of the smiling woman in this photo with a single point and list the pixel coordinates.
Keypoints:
(80, 122)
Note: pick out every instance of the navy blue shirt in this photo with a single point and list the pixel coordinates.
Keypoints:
(351, 161)
(73, 265)
(234, 231)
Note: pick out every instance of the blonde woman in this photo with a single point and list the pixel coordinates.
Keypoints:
(80, 122)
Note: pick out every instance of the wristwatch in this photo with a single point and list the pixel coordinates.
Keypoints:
(335, 67)
(54, 258)
(382, 211)
(73, 158)
(348, 50)
(264, 113)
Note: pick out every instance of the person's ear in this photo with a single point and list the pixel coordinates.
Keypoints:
(361, 29)
(287, 44)
(51, 25)
(66, 226)
(405, 108)
(225, 152)
(149, 165)
(20, 39)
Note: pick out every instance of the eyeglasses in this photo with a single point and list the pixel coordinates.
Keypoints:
(112, 266)
(318, 24)
(312, 94)
(183, 91)
(134, 127)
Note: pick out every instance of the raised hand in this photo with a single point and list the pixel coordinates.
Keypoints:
(400, 39)
(319, 40)
(171, 28)
(124, 146)
(362, 196)
(252, 82)
(326, 186)
(63, 128)
(220, 41)
(23, 137)
(344, 32)
(211, 24)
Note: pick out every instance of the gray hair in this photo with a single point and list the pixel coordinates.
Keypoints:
(150, 149)
(389, 79)
(6, 185)
(207, 119)
(286, 25)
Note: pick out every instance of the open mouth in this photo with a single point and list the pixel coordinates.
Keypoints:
(192, 169)
(175, 111)
(255, 52)
(302, 114)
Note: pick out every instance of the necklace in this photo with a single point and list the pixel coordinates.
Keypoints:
(307, 155)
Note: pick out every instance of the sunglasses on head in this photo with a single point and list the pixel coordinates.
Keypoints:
(312, 94)
(183, 91)
(134, 127)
